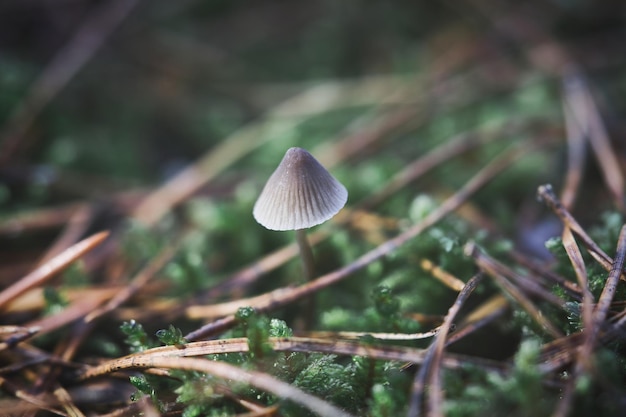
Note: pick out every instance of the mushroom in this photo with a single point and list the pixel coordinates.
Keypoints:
(300, 194)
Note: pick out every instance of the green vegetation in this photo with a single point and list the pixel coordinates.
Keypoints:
(442, 121)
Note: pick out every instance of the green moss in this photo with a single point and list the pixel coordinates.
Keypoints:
(136, 337)
(520, 393)
(171, 336)
(55, 302)
(333, 381)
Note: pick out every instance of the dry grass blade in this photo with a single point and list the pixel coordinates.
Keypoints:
(380, 122)
(490, 310)
(490, 267)
(40, 404)
(560, 352)
(66, 402)
(431, 367)
(444, 277)
(593, 321)
(254, 409)
(546, 193)
(575, 149)
(587, 115)
(391, 353)
(283, 296)
(435, 397)
(189, 180)
(75, 227)
(530, 285)
(10, 330)
(34, 299)
(293, 344)
(577, 261)
(69, 314)
(265, 412)
(610, 286)
(450, 148)
(377, 127)
(45, 218)
(233, 373)
(142, 407)
(139, 281)
(249, 274)
(381, 336)
(94, 308)
(547, 274)
(51, 267)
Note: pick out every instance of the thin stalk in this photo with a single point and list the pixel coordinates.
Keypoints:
(308, 266)
(306, 254)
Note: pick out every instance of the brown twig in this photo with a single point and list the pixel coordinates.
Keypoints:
(589, 123)
(44, 218)
(140, 280)
(548, 275)
(66, 402)
(69, 314)
(375, 335)
(576, 146)
(431, 366)
(546, 193)
(230, 372)
(443, 276)
(435, 398)
(291, 344)
(578, 263)
(75, 227)
(530, 285)
(24, 395)
(484, 314)
(452, 147)
(51, 267)
(493, 269)
(593, 320)
(610, 286)
(89, 309)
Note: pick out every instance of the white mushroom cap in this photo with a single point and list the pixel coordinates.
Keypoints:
(300, 194)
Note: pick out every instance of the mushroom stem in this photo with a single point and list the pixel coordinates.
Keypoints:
(306, 254)
(308, 266)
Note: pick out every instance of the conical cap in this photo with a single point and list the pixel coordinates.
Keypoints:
(300, 194)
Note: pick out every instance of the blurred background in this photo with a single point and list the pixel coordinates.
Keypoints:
(154, 118)
(102, 101)
(128, 92)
